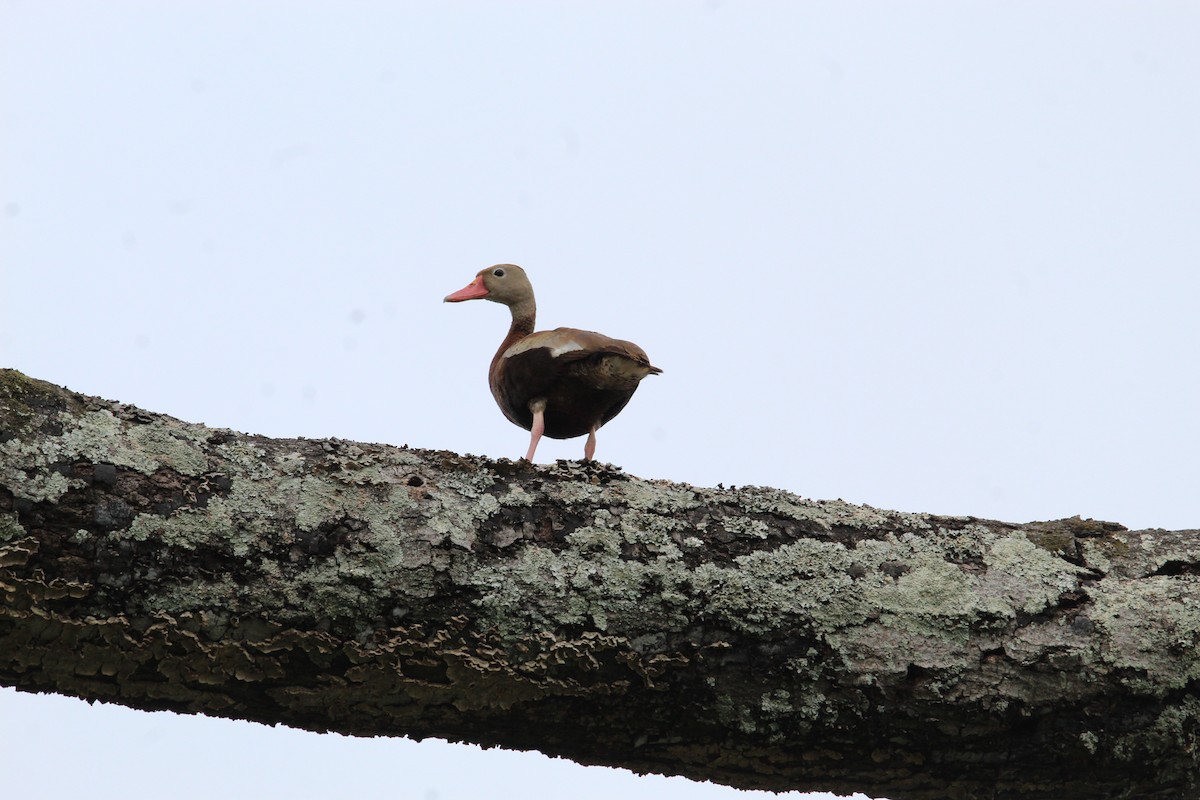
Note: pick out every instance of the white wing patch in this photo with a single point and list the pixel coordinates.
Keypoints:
(565, 347)
(535, 341)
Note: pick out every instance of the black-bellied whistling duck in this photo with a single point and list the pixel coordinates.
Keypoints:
(561, 383)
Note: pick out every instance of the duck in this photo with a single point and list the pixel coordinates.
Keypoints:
(560, 383)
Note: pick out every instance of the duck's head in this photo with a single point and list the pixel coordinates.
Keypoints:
(503, 283)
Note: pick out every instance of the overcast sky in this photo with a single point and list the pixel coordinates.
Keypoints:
(927, 256)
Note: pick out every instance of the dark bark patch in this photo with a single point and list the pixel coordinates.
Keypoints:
(328, 537)
(161, 493)
(1173, 567)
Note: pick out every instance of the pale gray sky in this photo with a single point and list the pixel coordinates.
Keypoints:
(927, 256)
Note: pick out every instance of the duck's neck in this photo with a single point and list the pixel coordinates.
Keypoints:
(523, 316)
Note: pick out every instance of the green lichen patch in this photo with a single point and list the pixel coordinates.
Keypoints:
(933, 589)
(1028, 577)
(781, 589)
(1151, 630)
(37, 484)
(97, 437)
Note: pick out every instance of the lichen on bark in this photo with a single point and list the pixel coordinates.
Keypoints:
(746, 636)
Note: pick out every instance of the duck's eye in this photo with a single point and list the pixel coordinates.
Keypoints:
(499, 273)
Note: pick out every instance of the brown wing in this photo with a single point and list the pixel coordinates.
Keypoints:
(585, 377)
(572, 344)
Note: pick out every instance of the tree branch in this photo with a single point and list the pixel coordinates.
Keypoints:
(749, 637)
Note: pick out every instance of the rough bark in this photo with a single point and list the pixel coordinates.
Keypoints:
(744, 636)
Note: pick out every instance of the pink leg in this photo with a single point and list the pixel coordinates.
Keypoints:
(535, 433)
(589, 449)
